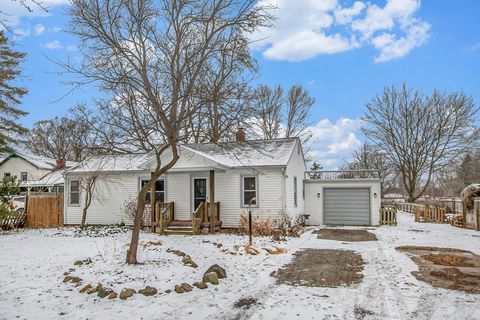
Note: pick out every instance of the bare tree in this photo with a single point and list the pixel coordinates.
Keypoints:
(150, 56)
(283, 116)
(370, 157)
(420, 134)
(28, 5)
(268, 105)
(63, 138)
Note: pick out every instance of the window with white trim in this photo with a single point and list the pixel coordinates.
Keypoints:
(74, 192)
(159, 190)
(24, 176)
(250, 191)
(295, 191)
(7, 175)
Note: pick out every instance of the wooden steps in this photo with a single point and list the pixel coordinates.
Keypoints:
(184, 227)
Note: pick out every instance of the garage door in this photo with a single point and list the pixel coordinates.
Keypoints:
(347, 206)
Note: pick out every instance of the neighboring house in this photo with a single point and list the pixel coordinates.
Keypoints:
(271, 171)
(34, 171)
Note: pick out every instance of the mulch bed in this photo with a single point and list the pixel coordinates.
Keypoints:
(322, 268)
(345, 235)
(447, 268)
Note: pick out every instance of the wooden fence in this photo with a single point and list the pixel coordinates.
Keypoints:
(45, 211)
(423, 213)
(388, 216)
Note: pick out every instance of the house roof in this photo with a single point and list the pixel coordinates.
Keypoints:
(51, 179)
(37, 161)
(231, 154)
(255, 153)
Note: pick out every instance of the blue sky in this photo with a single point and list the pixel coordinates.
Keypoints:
(344, 52)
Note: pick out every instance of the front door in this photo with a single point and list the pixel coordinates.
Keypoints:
(200, 191)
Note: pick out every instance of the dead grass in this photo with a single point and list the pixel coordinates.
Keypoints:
(322, 268)
(345, 235)
(447, 268)
(279, 229)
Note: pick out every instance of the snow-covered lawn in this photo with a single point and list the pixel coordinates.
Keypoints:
(32, 264)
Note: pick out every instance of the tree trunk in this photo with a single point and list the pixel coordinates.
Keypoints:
(137, 224)
(84, 218)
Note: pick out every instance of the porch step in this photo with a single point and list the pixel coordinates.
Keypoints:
(177, 232)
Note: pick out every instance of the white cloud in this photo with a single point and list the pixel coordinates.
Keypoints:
(333, 143)
(19, 34)
(305, 29)
(475, 46)
(39, 29)
(14, 11)
(53, 45)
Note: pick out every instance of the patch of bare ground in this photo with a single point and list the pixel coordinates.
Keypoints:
(447, 268)
(361, 313)
(345, 235)
(245, 303)
(322, 268)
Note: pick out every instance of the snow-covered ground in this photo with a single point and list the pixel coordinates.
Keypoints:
(32, 264)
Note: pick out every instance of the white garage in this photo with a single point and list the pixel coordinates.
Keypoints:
(342, 201)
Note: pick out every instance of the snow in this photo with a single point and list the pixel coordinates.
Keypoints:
(33, 263)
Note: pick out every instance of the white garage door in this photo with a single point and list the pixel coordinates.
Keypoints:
(347, 206)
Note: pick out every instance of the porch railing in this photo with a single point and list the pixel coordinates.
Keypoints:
(342, 174)
(202, 216)
(162, 216)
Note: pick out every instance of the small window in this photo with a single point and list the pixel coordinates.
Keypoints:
(249, 191)
(74, 192)
(7, 175)
(24, 176)
(295, 200)
(159, 190)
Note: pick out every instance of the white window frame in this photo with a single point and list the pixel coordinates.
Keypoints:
(7, 173)
(295, 191)
(164, 187)
(242, 191)
(70, 204)
(26, 176)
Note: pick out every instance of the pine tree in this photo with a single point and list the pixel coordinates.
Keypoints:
(10, 95)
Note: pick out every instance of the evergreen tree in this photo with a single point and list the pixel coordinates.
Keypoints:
(10, 95)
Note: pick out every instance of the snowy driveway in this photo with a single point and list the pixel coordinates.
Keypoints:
(33, 263)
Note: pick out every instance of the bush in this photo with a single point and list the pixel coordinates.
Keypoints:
(279, 229)
(6, 209)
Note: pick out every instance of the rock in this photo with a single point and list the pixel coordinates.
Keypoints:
(168, 291)
(66, 273)
(86, 288)
(219, 245)
(127, 293)
(221, 273)
(98, 287)
(72, 279)
(200, 285)
(184, 287)
(112, 295)
(104, 292)
(210, 277)
(187, 261)
(71, 269)
(148, 291)
(78, 263)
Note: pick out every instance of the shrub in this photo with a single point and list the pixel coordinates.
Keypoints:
(279, 229)
(6, 208)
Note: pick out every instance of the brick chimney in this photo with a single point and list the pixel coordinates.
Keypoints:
(61, 163)
(240, 134)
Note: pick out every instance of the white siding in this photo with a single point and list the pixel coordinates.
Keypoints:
(108, 204)
(228, 192)
(295, 168)
(178, 191)
(314, 203)
(15, 166)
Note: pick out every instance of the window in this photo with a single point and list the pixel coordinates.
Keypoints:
(24, 176)
(159, 190)
(74, 192)
(295, 200)
(7, 175)
(249, 191)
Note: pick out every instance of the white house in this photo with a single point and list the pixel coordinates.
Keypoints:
(34, 171)
(271, 171)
